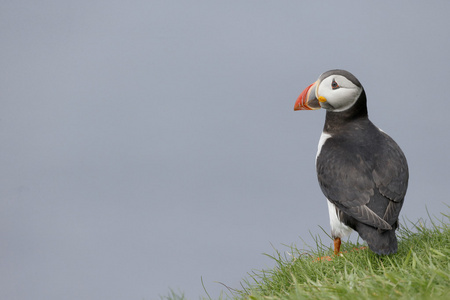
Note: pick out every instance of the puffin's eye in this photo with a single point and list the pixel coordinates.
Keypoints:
(334, 85)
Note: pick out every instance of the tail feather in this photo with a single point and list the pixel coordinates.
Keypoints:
(382, 242)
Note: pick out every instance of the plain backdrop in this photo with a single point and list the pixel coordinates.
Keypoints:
(145, 145)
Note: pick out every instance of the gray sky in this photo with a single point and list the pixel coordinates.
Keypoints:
(145, 144)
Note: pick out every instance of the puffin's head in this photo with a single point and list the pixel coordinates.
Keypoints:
(335, 90)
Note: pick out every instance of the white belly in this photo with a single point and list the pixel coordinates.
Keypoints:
(338, 229)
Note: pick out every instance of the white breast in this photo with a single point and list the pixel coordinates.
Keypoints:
(325, 136)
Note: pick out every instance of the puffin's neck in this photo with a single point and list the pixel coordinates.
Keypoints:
(336, 120)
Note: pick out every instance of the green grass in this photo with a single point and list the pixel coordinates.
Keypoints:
(419, 270)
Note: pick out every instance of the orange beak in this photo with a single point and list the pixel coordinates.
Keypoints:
(307, 99)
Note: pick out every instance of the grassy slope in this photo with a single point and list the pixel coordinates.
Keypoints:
(420, 270)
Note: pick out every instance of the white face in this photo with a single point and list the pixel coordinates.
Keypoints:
(339, 92)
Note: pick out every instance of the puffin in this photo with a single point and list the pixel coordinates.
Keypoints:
(361, 170)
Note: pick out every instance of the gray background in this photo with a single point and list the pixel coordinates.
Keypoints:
(144, 144)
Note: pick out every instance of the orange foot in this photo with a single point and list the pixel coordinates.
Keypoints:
(337, 253)
(327, 258)
(360, 248)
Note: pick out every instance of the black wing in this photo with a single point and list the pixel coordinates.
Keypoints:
(391, 177)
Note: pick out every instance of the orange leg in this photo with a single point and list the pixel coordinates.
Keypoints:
(337, 245)
(337, 250)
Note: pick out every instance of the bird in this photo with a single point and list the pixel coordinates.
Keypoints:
(361, 170)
